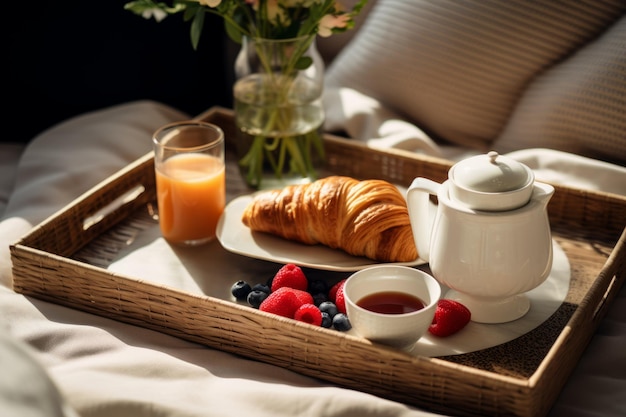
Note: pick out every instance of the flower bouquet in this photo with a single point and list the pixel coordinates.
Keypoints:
(277, 97)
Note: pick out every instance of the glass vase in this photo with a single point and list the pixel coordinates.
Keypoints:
(278, 111)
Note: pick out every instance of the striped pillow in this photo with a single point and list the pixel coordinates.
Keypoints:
(458, 68)
(579, 105)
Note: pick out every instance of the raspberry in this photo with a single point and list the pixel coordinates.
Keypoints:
(309, 313)
(291, 276)
(450, 317)
(303, 296)
(285, 301)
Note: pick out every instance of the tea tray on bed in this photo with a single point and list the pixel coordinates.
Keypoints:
(61, 260)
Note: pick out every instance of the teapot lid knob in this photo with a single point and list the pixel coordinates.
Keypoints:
(491, 173)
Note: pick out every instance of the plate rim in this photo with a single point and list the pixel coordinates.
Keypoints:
(220, 235)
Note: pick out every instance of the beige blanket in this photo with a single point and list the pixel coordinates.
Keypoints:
(95, 367)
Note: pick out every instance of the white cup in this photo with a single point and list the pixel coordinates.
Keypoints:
(401, 330)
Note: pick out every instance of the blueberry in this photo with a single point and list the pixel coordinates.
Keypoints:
(256, 297)
(319, 298)
(318, 286)
(327, 321)
(329, 307)
(341, 322)
(261, 287)
(240, 290)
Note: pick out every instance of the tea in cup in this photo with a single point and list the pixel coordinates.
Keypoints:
(391, 305)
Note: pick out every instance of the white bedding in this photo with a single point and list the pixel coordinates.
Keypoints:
(103, 367)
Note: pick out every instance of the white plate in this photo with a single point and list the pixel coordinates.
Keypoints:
(544, 301)
(238, 238)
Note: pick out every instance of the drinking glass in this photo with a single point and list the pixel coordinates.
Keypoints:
(190, 180)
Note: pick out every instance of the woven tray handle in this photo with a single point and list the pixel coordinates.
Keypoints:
(97, 210)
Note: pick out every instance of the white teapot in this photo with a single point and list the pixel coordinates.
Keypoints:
(489, 237)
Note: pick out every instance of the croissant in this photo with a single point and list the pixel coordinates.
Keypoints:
(364, 218)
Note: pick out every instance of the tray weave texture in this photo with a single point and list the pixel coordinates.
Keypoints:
(520, 378)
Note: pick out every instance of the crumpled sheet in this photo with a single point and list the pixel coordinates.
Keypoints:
(57, 361)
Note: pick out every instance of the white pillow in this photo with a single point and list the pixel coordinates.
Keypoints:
(578, 106)
(457, 69)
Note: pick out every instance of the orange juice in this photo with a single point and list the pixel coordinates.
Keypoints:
(191, 192)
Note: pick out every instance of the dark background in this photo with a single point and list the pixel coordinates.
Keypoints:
(71, 57)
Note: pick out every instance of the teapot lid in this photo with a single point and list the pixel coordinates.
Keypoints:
(491, 173)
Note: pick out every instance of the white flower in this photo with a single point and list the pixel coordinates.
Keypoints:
(210, 3)
(275, 13)
(329, 22)
(158, 14)
(279, 19)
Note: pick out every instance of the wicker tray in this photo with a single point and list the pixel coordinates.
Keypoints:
(522, 377)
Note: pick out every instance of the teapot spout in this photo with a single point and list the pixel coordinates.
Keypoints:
(542, 192)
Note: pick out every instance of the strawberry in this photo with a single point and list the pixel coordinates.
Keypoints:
(285, 301)
(450, 317)
(309, 313)
(291, 276)
(332, 293)
(336, 295)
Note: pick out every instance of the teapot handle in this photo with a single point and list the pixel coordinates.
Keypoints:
(422, 220)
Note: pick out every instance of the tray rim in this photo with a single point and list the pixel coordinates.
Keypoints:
(528, 387)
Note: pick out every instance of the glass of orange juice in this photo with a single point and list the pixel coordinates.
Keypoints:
(190, 180)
